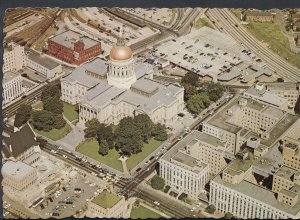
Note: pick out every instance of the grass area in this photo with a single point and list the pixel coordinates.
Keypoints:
(142, 212)
(90, 149)
(55, 134)
(69, 112)
(271, 34)
(38, 106)
(38, 45)
(174, 13)
(189, 200)
(134, 159)
(237, 13)
(106, 199)
(201, 23)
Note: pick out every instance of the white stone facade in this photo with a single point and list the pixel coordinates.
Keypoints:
(182, 179)
(243, 206)
(13, 58)
(12, 87)
(121, 73)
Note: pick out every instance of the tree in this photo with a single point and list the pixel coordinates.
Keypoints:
(23, 115)
(198, 102)
(128, 141)
(144, 126)
(59, 122)
(106, 133)
(43, 120)
(210, 209)
(53, 104)
(189, 90)
(214, 90)
(157, 183)
(103, 148)
(76, 108)
(159, 132)
(228, 215)
(190, 78)
(92, 128)
(51, 90)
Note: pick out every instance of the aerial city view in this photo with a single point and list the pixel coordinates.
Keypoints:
(151, 113)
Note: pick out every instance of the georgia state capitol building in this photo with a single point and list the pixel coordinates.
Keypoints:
(110, 91)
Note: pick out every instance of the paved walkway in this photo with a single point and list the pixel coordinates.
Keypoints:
(74, 138)
(123, 160)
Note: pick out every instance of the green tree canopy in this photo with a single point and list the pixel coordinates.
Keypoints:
(128, 141)
(157, 183)
(106, 133)
(43, 120)
(92, 128)
(189, 91)
(53, 104)
(144, 126)
(159, 132)
(228, 215)
(51, 90)
(198, 102)
(103, 147)
(59, 121)
(23, 114)
(210, 209)
(190, 78)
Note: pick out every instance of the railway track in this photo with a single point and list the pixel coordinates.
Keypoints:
(225, 21)
(128, 185)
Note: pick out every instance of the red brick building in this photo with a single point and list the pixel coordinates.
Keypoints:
(73, 48)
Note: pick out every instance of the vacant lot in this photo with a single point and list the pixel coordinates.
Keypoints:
(271, 34)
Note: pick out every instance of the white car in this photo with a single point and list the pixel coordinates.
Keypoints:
(64, 156)
(156, 203)
(53, 151)
(59, 148)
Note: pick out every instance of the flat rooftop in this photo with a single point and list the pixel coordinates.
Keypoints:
(68, 38)
(259, 193)
(286, 172)
(189, 161)
(106, 199)
(41, 59)
(16, 169)
(219, 120)
(7, 76)
(280, 128)
(205, 51)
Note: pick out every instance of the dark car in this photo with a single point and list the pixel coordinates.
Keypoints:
(180, 114)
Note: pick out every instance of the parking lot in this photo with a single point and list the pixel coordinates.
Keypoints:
(67, 201)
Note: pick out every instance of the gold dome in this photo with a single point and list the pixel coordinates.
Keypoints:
(120, 53)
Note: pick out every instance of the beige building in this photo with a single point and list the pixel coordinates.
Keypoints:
(285, 178)
(108, 205)
(110, 91)
(278, 98)
(187, 172)
(260, 16)
(290, 153)
(13, 58)
(237, 192)
(12, 86)
(20, 182)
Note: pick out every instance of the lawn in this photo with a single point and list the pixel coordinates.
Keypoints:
(201, 22)
(143, 213)
(55, 134)
(90, 149)
(237, 13)
(271, 34)
(69, 112)
(134, 159)
(38, 106)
